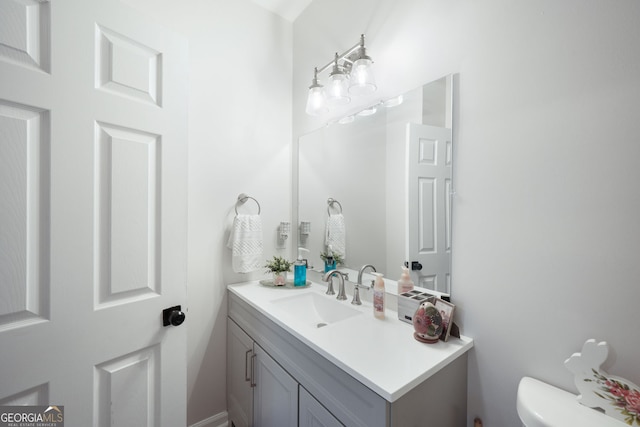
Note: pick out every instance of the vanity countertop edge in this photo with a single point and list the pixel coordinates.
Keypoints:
(381, 354)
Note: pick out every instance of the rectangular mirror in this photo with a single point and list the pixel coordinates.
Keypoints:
(391, 174)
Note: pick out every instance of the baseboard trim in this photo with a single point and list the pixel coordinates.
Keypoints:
(218, 420)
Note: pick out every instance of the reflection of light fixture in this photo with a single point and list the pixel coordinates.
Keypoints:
(346, 120)
(368, 111)
(393, 102)
(350, 73)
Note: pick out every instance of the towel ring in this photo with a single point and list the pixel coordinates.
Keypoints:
(242, 198)
(330, 202)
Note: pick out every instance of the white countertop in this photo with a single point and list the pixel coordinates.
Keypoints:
(381, 354)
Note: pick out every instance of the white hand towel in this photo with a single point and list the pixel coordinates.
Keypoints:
(245, 242)
(335, 235)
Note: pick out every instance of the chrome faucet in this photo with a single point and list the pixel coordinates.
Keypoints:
(328, 278)
(356, 288)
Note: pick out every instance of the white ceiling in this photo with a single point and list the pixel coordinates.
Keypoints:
(288, 9)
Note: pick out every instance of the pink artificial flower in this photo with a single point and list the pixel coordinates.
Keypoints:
(633, 401)
(615, 389)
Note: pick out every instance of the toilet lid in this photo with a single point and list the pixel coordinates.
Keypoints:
(543, 405)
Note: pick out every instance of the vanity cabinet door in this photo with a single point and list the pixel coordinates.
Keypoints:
(275, 399)
(239, 390)
(313, 414)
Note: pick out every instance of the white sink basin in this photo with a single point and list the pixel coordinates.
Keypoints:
(315, 310)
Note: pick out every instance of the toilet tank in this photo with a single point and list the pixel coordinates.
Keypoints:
(543, 405)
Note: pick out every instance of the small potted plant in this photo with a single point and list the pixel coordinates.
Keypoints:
(279, 267)
(331, 259)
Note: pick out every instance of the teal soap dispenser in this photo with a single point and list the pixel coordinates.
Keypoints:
(300, 269)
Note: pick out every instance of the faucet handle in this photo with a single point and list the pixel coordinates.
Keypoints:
(367, 287)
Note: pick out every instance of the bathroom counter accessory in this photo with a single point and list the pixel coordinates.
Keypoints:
(289, 285)
(616, 396)
(330, 204)
(379, 353)
(242, 199)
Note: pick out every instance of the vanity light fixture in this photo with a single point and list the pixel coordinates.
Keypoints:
(350, 74)
(316, 102)
(362, 81)
(337, 90)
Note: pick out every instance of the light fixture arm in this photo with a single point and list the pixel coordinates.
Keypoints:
(343, 56)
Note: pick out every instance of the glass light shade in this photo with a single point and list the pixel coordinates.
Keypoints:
(362, 81)
(316, 103)
(336, 90)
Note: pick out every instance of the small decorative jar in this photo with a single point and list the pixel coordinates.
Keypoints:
(279, 278)
(427, 323)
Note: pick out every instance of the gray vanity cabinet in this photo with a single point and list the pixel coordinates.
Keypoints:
(239, 390)
(313, 414)
(259, 392)
(275, 393)
(306, 389)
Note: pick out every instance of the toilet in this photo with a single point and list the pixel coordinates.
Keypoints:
(543, 405)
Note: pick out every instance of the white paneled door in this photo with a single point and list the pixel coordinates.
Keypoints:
(429, 154)
(93, 145)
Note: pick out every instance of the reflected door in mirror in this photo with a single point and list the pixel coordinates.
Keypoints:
(429, 206)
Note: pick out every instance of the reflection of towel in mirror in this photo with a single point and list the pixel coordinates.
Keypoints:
(335, 235)
(245, 242)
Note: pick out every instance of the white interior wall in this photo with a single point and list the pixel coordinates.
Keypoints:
(239, 141)
(546, 231)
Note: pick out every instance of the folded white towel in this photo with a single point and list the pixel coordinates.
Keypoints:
(245, 242)
(335, 235)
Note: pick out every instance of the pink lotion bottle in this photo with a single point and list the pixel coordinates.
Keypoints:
(405, 284)
(378, 296)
